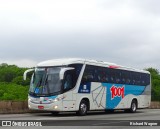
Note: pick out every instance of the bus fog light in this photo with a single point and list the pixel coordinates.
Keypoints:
(55, 107)
(56, 100)
(29, 106)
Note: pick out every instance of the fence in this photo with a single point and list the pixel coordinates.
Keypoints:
(13, 107)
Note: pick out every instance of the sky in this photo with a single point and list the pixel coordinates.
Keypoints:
(125, 32)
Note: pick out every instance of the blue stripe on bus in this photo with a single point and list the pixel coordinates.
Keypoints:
(113, 100)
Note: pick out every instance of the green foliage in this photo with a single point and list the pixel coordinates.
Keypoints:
(12, 85)
(19, 80)
(155, 78)
(9, 91)
(12, 73)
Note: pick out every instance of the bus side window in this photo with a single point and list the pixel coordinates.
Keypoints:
(68, 81)
(100, 75)
(117, 76)
(107, 75)
(137, 79)
(123, 78)
(131, 78)
(76, 72)
(120, 76)
(111, 76)
(134, 78)
(128, 78)
(88, 75)
(143, 79)
(147, 79)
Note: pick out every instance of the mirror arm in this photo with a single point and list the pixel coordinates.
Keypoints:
(25, 73)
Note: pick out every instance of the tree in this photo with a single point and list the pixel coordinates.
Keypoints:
(12, 73)
(155, 79)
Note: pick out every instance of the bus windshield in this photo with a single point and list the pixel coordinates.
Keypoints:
(46, 81)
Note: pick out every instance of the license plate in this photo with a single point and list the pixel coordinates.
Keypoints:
(40, 107)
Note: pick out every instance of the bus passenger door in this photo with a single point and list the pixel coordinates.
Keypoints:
(68, 103)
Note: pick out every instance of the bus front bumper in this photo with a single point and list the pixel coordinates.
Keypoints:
(55, 106)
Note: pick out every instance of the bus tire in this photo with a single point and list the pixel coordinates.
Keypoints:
(109, 111)
(54, 113)
(83, 108)
(133, 107)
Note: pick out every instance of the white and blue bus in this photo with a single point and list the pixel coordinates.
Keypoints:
(82, 85)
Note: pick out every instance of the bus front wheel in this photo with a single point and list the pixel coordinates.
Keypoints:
(54, 113)
(83, 108)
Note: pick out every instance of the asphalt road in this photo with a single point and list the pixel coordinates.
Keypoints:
(94, 120)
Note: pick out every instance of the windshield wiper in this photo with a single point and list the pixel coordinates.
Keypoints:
(38, 85)
(40, 82)
(45, 86)
(46, 80)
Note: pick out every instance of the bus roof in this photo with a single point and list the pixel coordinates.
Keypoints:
(67, 61)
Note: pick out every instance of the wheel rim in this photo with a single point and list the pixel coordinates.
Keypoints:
(83, 108)
(134, 107)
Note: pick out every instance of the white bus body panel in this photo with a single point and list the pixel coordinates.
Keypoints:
(98, 96)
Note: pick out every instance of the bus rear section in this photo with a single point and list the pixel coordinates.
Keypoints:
(111, 89)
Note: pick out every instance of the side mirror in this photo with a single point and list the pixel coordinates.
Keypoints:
(25, 73)
(63, 70)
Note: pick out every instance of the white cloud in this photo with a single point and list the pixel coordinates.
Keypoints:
(124, 32)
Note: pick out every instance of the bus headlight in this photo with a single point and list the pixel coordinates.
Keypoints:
(59, 98)
(55, 100)
(55, 107)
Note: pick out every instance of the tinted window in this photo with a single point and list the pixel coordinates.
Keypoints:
(108, 75)
(77, 70)
(68, 81)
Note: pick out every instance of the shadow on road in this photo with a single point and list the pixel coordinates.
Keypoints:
(90, 113)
